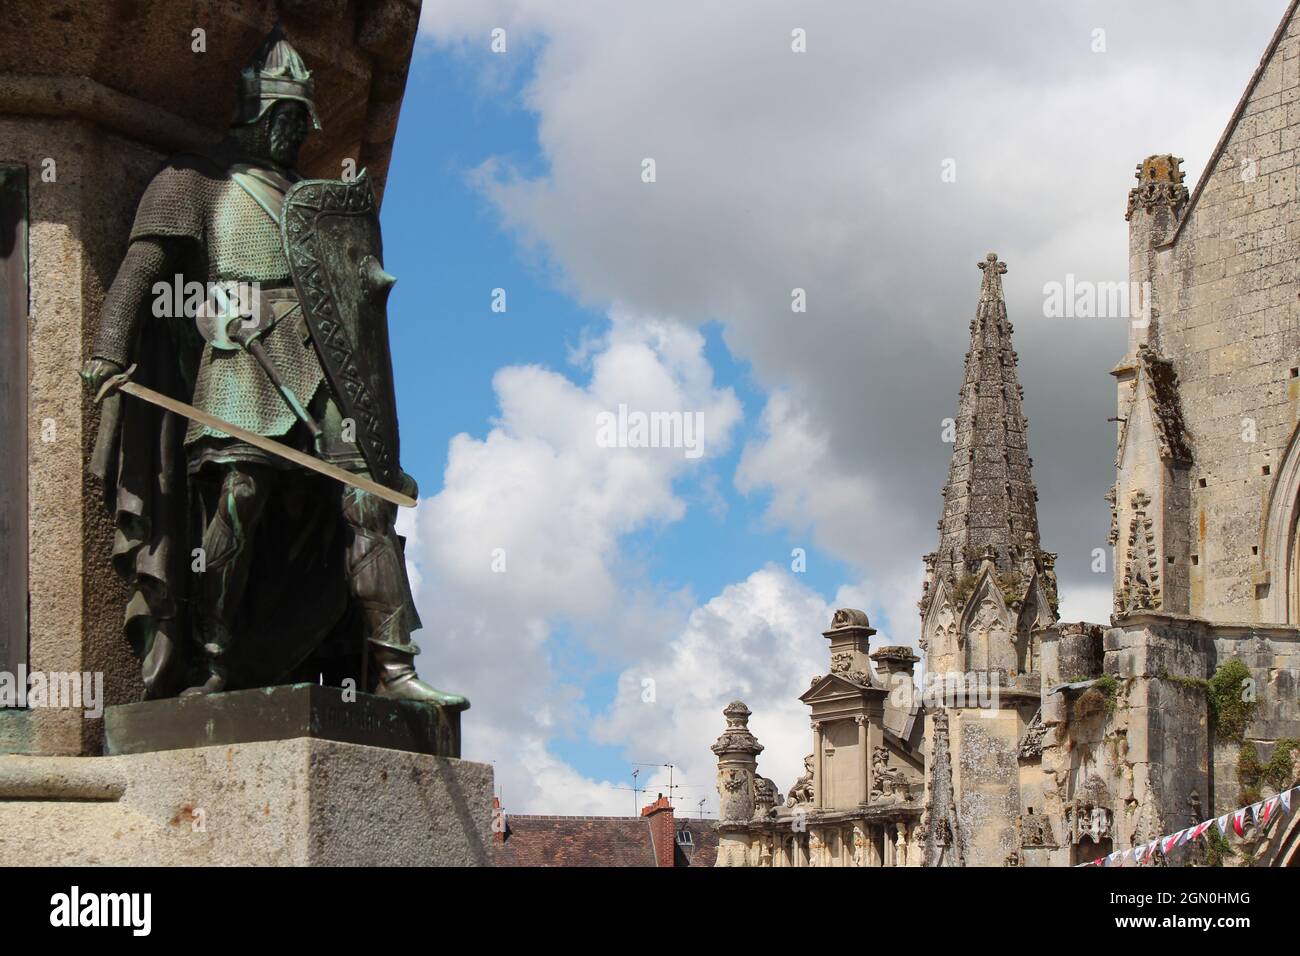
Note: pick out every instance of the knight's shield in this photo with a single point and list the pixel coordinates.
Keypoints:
(331, 237)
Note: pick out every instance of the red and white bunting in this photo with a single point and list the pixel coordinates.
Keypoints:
(1239, 822)
(1169, 842)
(1261, 813)
(1269, 806)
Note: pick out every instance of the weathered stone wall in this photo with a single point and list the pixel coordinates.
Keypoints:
(986, 778)
(1227, 313)
(1272, 655)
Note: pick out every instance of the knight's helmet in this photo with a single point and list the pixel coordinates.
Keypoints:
(276, 72)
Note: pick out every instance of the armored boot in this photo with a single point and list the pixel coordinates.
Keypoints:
(215, 651)
(395, 677)
(227, 545)
(377, 581)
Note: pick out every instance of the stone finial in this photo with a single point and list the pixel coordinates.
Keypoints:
(1160, 183)
(736, 738)
(849, 617)
(994, 269)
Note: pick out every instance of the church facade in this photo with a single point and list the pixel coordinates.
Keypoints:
(1033, 742)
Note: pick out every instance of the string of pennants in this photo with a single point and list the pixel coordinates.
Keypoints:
(1261, 813)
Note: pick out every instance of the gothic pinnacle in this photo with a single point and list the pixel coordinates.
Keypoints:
(989, 496)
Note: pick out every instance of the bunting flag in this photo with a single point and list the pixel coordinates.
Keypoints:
(1169, 842)
(1261, 813)
(1267, 811)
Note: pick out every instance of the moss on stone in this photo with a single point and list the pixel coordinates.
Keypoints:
(963, 589)
(1249, 772)
(1219, 850)
(1280, 770)
(1229, 710)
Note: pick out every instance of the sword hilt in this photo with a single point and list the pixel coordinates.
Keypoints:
(113, 383)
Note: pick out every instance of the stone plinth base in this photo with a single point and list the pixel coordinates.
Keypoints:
(281, 713)
(299, 802)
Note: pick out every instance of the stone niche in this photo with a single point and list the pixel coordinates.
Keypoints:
(93, 97)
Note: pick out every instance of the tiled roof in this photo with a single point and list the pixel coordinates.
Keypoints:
(597, 841)
(703, 850)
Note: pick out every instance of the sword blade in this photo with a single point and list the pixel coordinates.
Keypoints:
(266, 444)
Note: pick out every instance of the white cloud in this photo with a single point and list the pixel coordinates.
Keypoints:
(1093, 603)
(540, 489)
(759, 641)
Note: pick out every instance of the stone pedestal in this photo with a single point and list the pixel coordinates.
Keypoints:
(195, 782)
(281, 713)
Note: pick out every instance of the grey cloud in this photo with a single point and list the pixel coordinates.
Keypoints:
(822, 171)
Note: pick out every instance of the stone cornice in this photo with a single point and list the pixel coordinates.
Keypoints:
(87, 99)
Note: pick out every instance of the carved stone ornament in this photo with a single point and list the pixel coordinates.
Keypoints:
(1035, 830)
(1160, 183)
(1085, 821)
(766, 797)
(849, 617)
(736, 738)
(802, 791)
(1140, 589)
(736, 790)
(1031, 745)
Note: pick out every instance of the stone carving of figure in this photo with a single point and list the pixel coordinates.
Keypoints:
(765, 797)
(859, 846)
(802, 791)
(888, 785)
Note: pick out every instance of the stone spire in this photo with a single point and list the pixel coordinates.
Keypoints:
(989, 499)
(989, 584)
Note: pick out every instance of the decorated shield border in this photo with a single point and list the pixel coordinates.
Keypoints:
(305, 202)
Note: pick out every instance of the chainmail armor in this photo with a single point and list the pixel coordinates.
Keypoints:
(231, 237)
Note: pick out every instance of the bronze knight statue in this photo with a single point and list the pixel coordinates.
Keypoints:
(247, 569)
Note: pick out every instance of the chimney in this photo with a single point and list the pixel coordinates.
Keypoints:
(663, 830)
(498, 821)
(894, 659)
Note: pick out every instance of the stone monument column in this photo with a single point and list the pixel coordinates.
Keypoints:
(737, 751)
